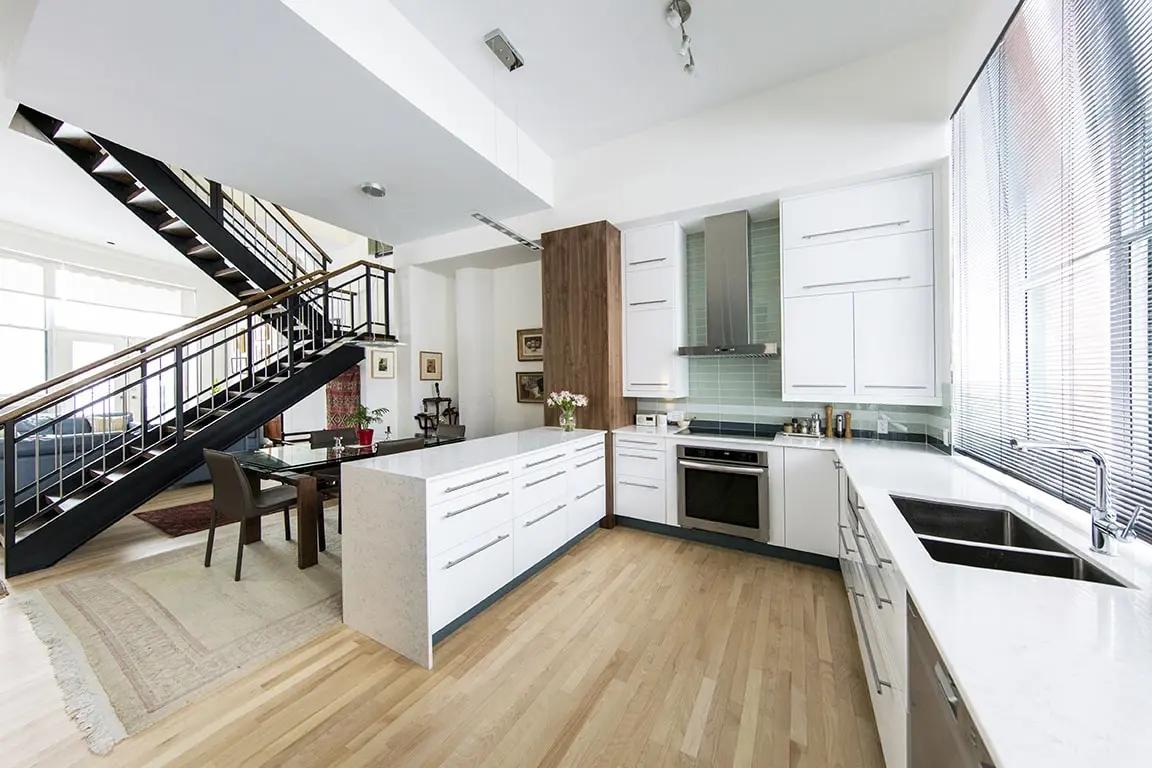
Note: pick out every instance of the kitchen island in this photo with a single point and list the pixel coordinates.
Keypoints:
(432, 537)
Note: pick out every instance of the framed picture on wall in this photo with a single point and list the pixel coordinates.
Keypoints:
(431, 366)
(382, 363)
(530, 387)
(530, 344)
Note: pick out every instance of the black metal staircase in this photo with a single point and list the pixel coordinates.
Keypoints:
(245, 244)
(160, 403)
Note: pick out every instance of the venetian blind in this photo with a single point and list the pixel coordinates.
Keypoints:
(1052, 214)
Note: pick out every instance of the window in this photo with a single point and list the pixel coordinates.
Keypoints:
(1052, 214)
(24, 350)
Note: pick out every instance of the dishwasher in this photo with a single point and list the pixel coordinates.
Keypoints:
(941, 732)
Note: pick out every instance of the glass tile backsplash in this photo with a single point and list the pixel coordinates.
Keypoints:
(747, 391)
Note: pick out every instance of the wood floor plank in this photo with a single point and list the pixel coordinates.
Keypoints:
(632, 649)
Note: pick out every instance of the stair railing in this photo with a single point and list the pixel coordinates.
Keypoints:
(84, 434)
(265, 228)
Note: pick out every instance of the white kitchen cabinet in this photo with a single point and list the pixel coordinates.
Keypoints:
(811, 501)
(858, 291)
(818, 358)
(653, 313)
(887, 207)
(895, 343)
(640, 498)
(899, 261)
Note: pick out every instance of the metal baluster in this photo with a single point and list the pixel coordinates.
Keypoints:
(387, 307)
(10, 482)
(179, 376)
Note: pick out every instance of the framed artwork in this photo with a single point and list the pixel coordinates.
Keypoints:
(431, 366)
(530, 344)
(383, 363)
(530, 387)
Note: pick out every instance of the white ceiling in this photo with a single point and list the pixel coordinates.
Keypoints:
(248, 93)
(600, 69)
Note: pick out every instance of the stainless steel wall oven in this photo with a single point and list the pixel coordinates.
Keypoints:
(723, 490)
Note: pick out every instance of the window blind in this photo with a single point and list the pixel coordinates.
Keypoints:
(1052, 226)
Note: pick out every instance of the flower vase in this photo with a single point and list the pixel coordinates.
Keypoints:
(568, 420)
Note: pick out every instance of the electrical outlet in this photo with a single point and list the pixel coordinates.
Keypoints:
(881, 424)
(946, 436)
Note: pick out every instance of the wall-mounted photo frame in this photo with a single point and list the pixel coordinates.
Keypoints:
(530, 387)
(431, 366)
(530, 344)
(382, 363)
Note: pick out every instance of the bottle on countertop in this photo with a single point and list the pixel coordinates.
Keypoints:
(828, 421)
(847, 425)
(838, 431)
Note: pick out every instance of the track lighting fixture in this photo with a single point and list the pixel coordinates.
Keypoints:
(678, 12)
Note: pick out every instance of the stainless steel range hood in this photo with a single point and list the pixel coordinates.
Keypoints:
(726, 272)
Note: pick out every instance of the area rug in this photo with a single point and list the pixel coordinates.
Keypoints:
(134, 643)
(180, 520)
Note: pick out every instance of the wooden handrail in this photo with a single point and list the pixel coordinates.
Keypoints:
(323, 254)
(148, 342)
(316, 278)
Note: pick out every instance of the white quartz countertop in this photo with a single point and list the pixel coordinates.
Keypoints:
(1057, 673)
(473, 453)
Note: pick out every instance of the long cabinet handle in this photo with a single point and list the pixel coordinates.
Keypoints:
(478, 550)
(591, 461)
(531, 464)
(858, 282)
(589, 493)
(647, 261)
(830, 232)
(646, 303)
(649, 443)
(546, 514)
(818, 386)
(880, 601)
(452, 488)
(880, 684)
(647, 383)
(462, 510)
(844, 542)
(545, 479)
(721, 468)
(896, 386)
(639, 485)
(590, 446)
(881, 561)
(638, 456)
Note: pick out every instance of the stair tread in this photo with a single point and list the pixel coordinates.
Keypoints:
(70, 134)
(145, 198)
(71, 500)
(228, 273)
(110, 166)
(202, 250)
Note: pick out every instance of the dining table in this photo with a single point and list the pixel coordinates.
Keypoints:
(294, 464)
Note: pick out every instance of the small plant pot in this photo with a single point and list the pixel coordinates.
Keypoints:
(364, 436)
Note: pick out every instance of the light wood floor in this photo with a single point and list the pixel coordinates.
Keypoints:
(632, 649)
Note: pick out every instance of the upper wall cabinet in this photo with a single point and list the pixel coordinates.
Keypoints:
(889, 207)
(653, 317)
(858, 287)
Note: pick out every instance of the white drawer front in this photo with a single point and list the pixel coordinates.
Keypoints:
(534, 462)
(461, 577)
(537, 488)
(641, 498)
(892, 206)
(638, 441)
(896, 261)
(636, 462)
(650, 289)
(539, 533)
(588, 471)
(468, 515)
(586, 509)
(445, 488)
(590, 445)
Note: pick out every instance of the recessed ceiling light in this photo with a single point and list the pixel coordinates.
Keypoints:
(373, 189)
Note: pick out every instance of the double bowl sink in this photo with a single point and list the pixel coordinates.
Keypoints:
(987, 537)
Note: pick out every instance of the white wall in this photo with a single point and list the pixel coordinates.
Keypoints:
(517, 300)
(876, 115)
(970, 39)
(492, 304)
(426, 321)
(476, 347)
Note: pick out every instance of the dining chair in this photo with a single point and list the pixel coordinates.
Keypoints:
(329, 478)
(233, 497)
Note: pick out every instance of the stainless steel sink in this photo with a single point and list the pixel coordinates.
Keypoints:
(987, 537)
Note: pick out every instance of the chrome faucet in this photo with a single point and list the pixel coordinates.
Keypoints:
(1106, 529)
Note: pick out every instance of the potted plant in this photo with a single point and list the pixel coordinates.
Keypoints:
(567, 402)
(362, 419)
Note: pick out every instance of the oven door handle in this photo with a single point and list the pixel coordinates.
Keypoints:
(731, 470)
